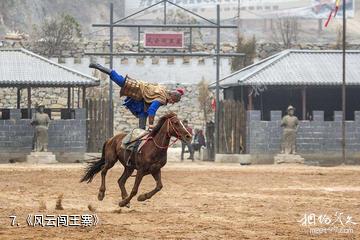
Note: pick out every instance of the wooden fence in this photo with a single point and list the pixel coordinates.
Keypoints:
(97, 129)
(232, 132)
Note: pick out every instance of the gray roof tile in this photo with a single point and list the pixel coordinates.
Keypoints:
(19, 67)
(298, 67)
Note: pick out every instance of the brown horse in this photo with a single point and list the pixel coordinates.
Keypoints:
(151, 158)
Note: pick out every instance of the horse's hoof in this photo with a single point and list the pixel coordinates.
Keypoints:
(101, 196)
(124, 203)
(142, 197)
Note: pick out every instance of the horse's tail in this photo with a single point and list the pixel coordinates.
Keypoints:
(94, 167)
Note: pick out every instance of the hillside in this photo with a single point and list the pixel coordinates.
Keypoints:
(20, 15)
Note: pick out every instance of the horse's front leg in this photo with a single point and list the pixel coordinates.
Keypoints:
(139, 176)
(157, 176)
(109, 164)
(122, 180)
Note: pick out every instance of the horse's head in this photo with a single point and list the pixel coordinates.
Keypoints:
(177, 129)
(173, 127)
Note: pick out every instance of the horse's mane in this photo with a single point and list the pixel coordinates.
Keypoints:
(161, 122)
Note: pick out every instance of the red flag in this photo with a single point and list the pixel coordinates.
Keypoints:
(213, 104)
(329, 18)
(335, 10)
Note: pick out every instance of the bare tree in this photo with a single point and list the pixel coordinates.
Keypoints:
(248, 47)
(339, 36)
(204, 98)
(56, 35)
(285, 31)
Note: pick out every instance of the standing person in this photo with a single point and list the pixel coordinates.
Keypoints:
(199, 140)
(142, 99)
(210, 130)
(184, 144)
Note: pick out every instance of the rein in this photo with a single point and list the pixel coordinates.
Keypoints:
(169, 123)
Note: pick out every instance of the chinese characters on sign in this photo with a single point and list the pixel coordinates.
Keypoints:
(164, 40)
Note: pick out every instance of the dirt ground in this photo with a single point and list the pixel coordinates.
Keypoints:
(199, 201)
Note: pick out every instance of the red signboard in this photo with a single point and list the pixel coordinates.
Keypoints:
(164, 40)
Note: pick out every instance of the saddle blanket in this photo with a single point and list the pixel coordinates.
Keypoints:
(130, 141)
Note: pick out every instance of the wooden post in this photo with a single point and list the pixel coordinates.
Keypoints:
(72, 98)
(69, 98)
(29, 101)
(250, 100)
(303, 97)
(18, 98)
(78, 97)
(83, 96)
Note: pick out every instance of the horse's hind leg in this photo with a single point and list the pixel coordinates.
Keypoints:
(157, 177)
(109, 164)
(139, 176)
(122, 180)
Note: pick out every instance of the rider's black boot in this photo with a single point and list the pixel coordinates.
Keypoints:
(100, 68)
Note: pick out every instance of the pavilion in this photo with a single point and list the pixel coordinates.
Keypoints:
(311, 81)
(307, 79)
(22, 69)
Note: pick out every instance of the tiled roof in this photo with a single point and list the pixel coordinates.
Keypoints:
(19, 67)
(298, 67)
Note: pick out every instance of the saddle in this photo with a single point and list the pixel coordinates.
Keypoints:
(134, 140)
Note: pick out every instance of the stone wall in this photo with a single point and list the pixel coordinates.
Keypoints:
(317, 137)
(50, 97)
(263, 49)
(156, 70)
(66, 137)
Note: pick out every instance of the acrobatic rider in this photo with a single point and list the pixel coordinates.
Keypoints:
(142, 99)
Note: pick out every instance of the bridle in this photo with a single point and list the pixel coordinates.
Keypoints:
(169, 124)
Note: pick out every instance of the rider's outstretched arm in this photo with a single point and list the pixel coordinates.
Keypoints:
(154, 106)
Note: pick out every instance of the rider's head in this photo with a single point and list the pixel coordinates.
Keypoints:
(175, 96)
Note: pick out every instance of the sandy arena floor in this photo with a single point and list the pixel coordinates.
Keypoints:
(198, 201)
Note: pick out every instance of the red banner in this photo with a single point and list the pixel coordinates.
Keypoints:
(164, 40)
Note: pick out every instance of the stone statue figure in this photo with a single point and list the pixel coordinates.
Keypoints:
(41, 122)
(290, 124)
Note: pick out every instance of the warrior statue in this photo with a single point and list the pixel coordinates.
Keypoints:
(290, 123)
(41, 122)
(142, 99)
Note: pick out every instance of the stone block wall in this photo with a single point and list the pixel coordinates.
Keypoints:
(317, 136)
(65, 135)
